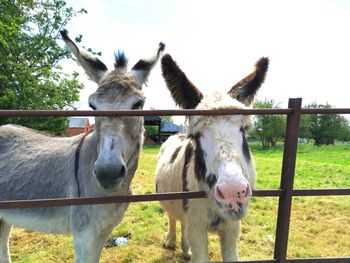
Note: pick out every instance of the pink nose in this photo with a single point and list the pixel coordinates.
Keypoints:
(234, 195)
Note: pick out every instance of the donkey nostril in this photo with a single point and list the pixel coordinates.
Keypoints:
(220, 194)
(122, 171)
(247, 191)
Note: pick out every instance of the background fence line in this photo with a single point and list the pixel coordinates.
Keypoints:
(285, 193)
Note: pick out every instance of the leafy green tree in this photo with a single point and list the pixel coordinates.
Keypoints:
(30, 74)
(268, 128)
(326, 128)
(345, 130)
(167, 118)
(304, 127)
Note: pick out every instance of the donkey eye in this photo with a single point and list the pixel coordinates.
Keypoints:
(138, 105)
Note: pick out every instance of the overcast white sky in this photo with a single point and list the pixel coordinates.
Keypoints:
(217, 43)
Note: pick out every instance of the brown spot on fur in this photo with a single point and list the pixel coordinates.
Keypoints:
(76, 163)
(188, 158)
(184, 93)
(181, 136)
(199, 166)
(245, 147)
(175, 153)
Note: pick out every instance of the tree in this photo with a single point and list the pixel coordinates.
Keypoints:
(326, 128)
(167, 118)
(269, 128)
(164, 118)
(304, 127)
(30, 74)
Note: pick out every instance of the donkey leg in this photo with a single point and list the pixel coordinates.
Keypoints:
(171, 237)
(5, 231)
(229, 233)
(197, 235)
(184, 244)
(88, 245)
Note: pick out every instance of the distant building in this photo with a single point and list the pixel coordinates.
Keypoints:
(165, 129)
(77, 125)
(168, 128)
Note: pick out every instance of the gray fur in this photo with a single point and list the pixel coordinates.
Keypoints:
(36, 166)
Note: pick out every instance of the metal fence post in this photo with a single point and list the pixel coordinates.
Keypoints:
(287, 179)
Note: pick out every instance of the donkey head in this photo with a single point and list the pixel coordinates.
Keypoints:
(222, 162)
(119, 139)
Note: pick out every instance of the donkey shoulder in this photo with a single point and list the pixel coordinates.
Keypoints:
(16, 136)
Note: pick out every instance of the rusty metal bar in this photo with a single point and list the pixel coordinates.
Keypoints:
(98, 200)
(188, 112)
(117, 199)
(321, 192)
(157, 197)
(287, 180)
(268, 193)
(298, 260)
(251, 261)
(319, 260)
(183, 112)
(326, 111)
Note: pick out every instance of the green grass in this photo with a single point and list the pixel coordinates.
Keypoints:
(320, 226)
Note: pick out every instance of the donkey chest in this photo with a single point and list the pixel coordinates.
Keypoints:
(214, 219)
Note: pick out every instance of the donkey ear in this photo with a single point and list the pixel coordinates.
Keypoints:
(184, 93)
(141, 70)
(245, 90)
(93, 67)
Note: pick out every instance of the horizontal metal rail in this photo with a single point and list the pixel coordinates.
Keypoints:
(319, 260)
(321, 192)
(326, 111)
(297, 260)
(156, 197)
(188, 112)
(184, 112)
(99, 200)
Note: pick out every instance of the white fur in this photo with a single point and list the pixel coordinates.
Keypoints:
(221, 141)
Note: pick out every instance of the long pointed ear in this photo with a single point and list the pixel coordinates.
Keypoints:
(184, 93)
(93, 67)
(245, 90)
(143, 67)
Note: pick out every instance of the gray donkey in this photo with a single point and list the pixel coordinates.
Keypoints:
(34, 166)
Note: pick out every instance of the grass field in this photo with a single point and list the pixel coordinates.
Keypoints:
(320, 226)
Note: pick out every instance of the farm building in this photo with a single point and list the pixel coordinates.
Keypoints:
(165, 129)
(78, 125)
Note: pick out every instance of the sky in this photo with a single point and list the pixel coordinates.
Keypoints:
(216, 43)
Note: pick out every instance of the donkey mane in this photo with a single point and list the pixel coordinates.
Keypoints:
(121, 60)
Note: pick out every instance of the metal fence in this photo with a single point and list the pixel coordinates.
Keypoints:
(285, 193)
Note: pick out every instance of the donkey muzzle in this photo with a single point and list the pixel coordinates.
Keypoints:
(232, 190)
(110, 175)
